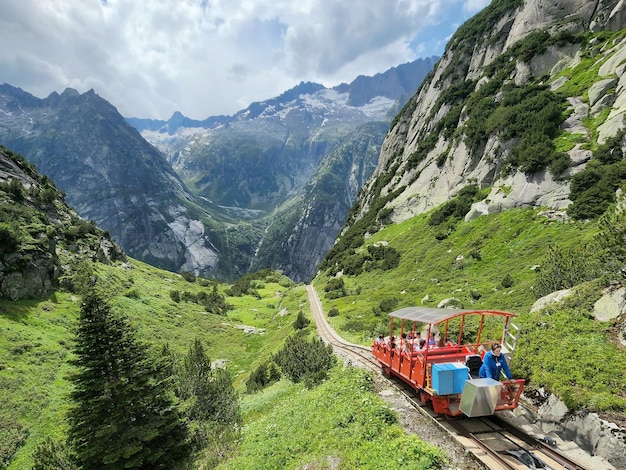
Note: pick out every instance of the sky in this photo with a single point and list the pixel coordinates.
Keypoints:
(204, 58)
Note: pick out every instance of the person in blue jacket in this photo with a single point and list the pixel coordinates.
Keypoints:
(494, 364)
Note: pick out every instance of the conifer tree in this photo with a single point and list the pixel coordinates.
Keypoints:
(123, 414)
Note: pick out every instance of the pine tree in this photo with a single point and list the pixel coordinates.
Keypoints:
(123, 414)
(210, 393)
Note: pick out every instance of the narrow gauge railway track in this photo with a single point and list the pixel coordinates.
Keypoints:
(488, 438)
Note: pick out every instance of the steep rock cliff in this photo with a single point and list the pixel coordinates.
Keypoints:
(458, 131)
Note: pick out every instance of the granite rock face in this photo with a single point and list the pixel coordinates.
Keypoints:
(427, 176)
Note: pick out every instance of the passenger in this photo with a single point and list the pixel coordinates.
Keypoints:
(441, 343)
(419, 346)
(494, 363)
(403, 340)
(432, 341)
(380, 339)
(392, 342)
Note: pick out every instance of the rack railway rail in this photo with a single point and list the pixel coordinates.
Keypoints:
(491, 440)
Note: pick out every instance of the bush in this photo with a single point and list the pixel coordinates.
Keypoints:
(187, 276)
(333, 312)
(335, 288)
(301, 322)
(266, 374)
(51, 455)
(12, 437)
(175, 295)
(387, 305)
(9, 240)
(507, 281)
(300, 359)
(565, 268)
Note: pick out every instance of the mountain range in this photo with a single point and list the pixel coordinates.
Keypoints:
(224, 195)
(496, 186)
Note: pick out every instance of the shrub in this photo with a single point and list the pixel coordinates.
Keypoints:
(387, 305)
(266, 374)
(12, 437)
(334, 284)
(187, 276)
(333, 312)
(300, 359)
(175, 295)
(507, 281)
(301, 322)
(9, 240)
(565, 268)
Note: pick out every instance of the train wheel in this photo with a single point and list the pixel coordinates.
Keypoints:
(387, 371)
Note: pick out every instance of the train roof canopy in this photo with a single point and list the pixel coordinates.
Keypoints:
(435, 315)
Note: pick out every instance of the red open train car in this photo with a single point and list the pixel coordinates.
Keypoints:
(445, 374)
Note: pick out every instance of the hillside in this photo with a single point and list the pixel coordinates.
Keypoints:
(170, 313)
(497, 186)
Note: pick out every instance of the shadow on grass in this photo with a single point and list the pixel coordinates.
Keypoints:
(20, 310)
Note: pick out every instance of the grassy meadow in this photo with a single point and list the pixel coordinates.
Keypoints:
(562, 347)
(36, 341)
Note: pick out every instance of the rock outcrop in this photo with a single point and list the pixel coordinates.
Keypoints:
(40, 235)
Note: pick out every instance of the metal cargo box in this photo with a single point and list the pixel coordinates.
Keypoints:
(449, 377)
(480, 397)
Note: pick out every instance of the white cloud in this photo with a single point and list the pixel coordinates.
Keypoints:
(473, 6)
(208, 57)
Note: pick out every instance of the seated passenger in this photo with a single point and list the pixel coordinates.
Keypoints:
(494, 364)
(380, 339)
(419, 346)
(432, 341)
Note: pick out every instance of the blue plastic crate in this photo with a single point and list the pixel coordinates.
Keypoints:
(449, 378)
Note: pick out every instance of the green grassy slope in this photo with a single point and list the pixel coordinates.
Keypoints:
(562, 348)
(36, 338)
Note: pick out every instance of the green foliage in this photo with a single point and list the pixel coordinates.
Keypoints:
(565, 268)
(175, 295)
(264, 375)
(34, 382)
(245, 284)
(12, 437)
(584, 375)
(593, 189)
(386, 306)
(53, 455)
(382, 257)
(187, 276)
(455, 209)
(122, 414)
(300, 359)
(209, 399)
(9, 238)
(481, 24)
(612, 239)
(16, 188)
(214, 302)
(335, 288)
(333, 312)
(343, 418)
(507, 281)
(301, 321)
